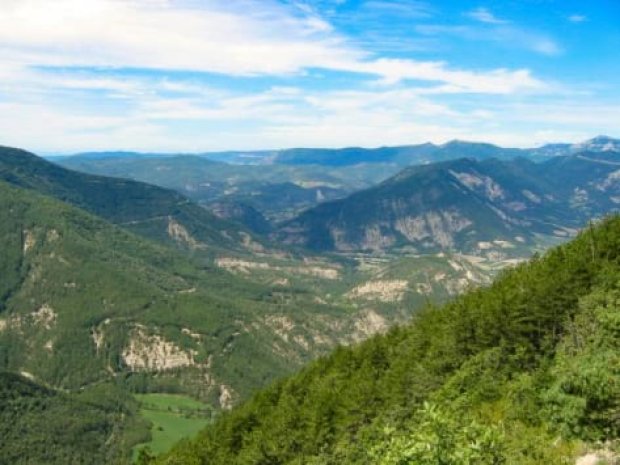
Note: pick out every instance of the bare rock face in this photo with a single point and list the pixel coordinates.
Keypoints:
(241, 266)
(151, 352)
(44, 317)
(380, 290)
(456, 204)
(226, 397)
(444, 206)
(368, 324)
(601, 457)
(180, 234)
(29, 241)
(480, 183)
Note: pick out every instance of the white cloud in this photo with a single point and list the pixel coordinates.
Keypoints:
(508, 36)
(577, 18)
(159, 34)
(402, 8)
(49, 79)
(499, 81)
(485, 16)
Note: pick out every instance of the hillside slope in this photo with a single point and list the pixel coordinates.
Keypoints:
(277, 191)
(82, 301)
(522, 372)
(151, 211)
(465, 205)
(42, 425)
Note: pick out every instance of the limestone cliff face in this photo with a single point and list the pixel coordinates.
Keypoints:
(458, 204)
(447, 206)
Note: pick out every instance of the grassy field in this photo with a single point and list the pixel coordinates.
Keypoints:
(173, 417)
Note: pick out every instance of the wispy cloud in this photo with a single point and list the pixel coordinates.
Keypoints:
(508, 36)
(577, 18)
(402, 8)
(209, 75)
(210, 38)
(155, 34)
(485, 16)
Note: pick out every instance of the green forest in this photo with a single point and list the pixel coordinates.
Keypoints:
(309, 232)
(526, 371)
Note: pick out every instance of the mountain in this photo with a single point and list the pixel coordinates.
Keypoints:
(99, 156)
(281, 184)
(148, 210)
(276, 191)
(465, 205)
(350, 156)
(401, 155)
(83, 301)
(596, 144)
(524, 371)
(426, 153)
(87, 306)
(241, 213)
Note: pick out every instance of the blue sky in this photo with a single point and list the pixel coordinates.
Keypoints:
(199, 75)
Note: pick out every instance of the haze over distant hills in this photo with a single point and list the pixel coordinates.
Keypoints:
(330, 200)
(400, 155)
(280, 184)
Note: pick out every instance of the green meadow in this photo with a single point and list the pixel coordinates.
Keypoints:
(173, 417)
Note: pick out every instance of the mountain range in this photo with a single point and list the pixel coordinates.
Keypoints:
(279, 185)
(145, 209)
(402, 155)
(465, 205)
(113, 287)
(121, 299)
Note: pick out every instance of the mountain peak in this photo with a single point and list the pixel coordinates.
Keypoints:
(599, 143)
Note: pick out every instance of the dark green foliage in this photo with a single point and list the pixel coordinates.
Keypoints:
(142, 208)
(79, 291)
(39, 425)
(584, 399)
(99, 279)
(76, 290)
(509, 368)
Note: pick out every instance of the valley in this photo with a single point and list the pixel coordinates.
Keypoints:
(165, 293)
(309, 232)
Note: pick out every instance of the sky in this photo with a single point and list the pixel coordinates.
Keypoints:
(210, 75)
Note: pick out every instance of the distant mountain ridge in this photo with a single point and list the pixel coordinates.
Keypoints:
(401, 155)
(596, 144)
(464, 204)
(148, 210)
(279, 184)
(276, 191)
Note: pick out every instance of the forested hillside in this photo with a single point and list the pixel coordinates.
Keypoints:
(82, 301)
(39, 425)
(148, 210)
(465, 205)
(525, 371)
